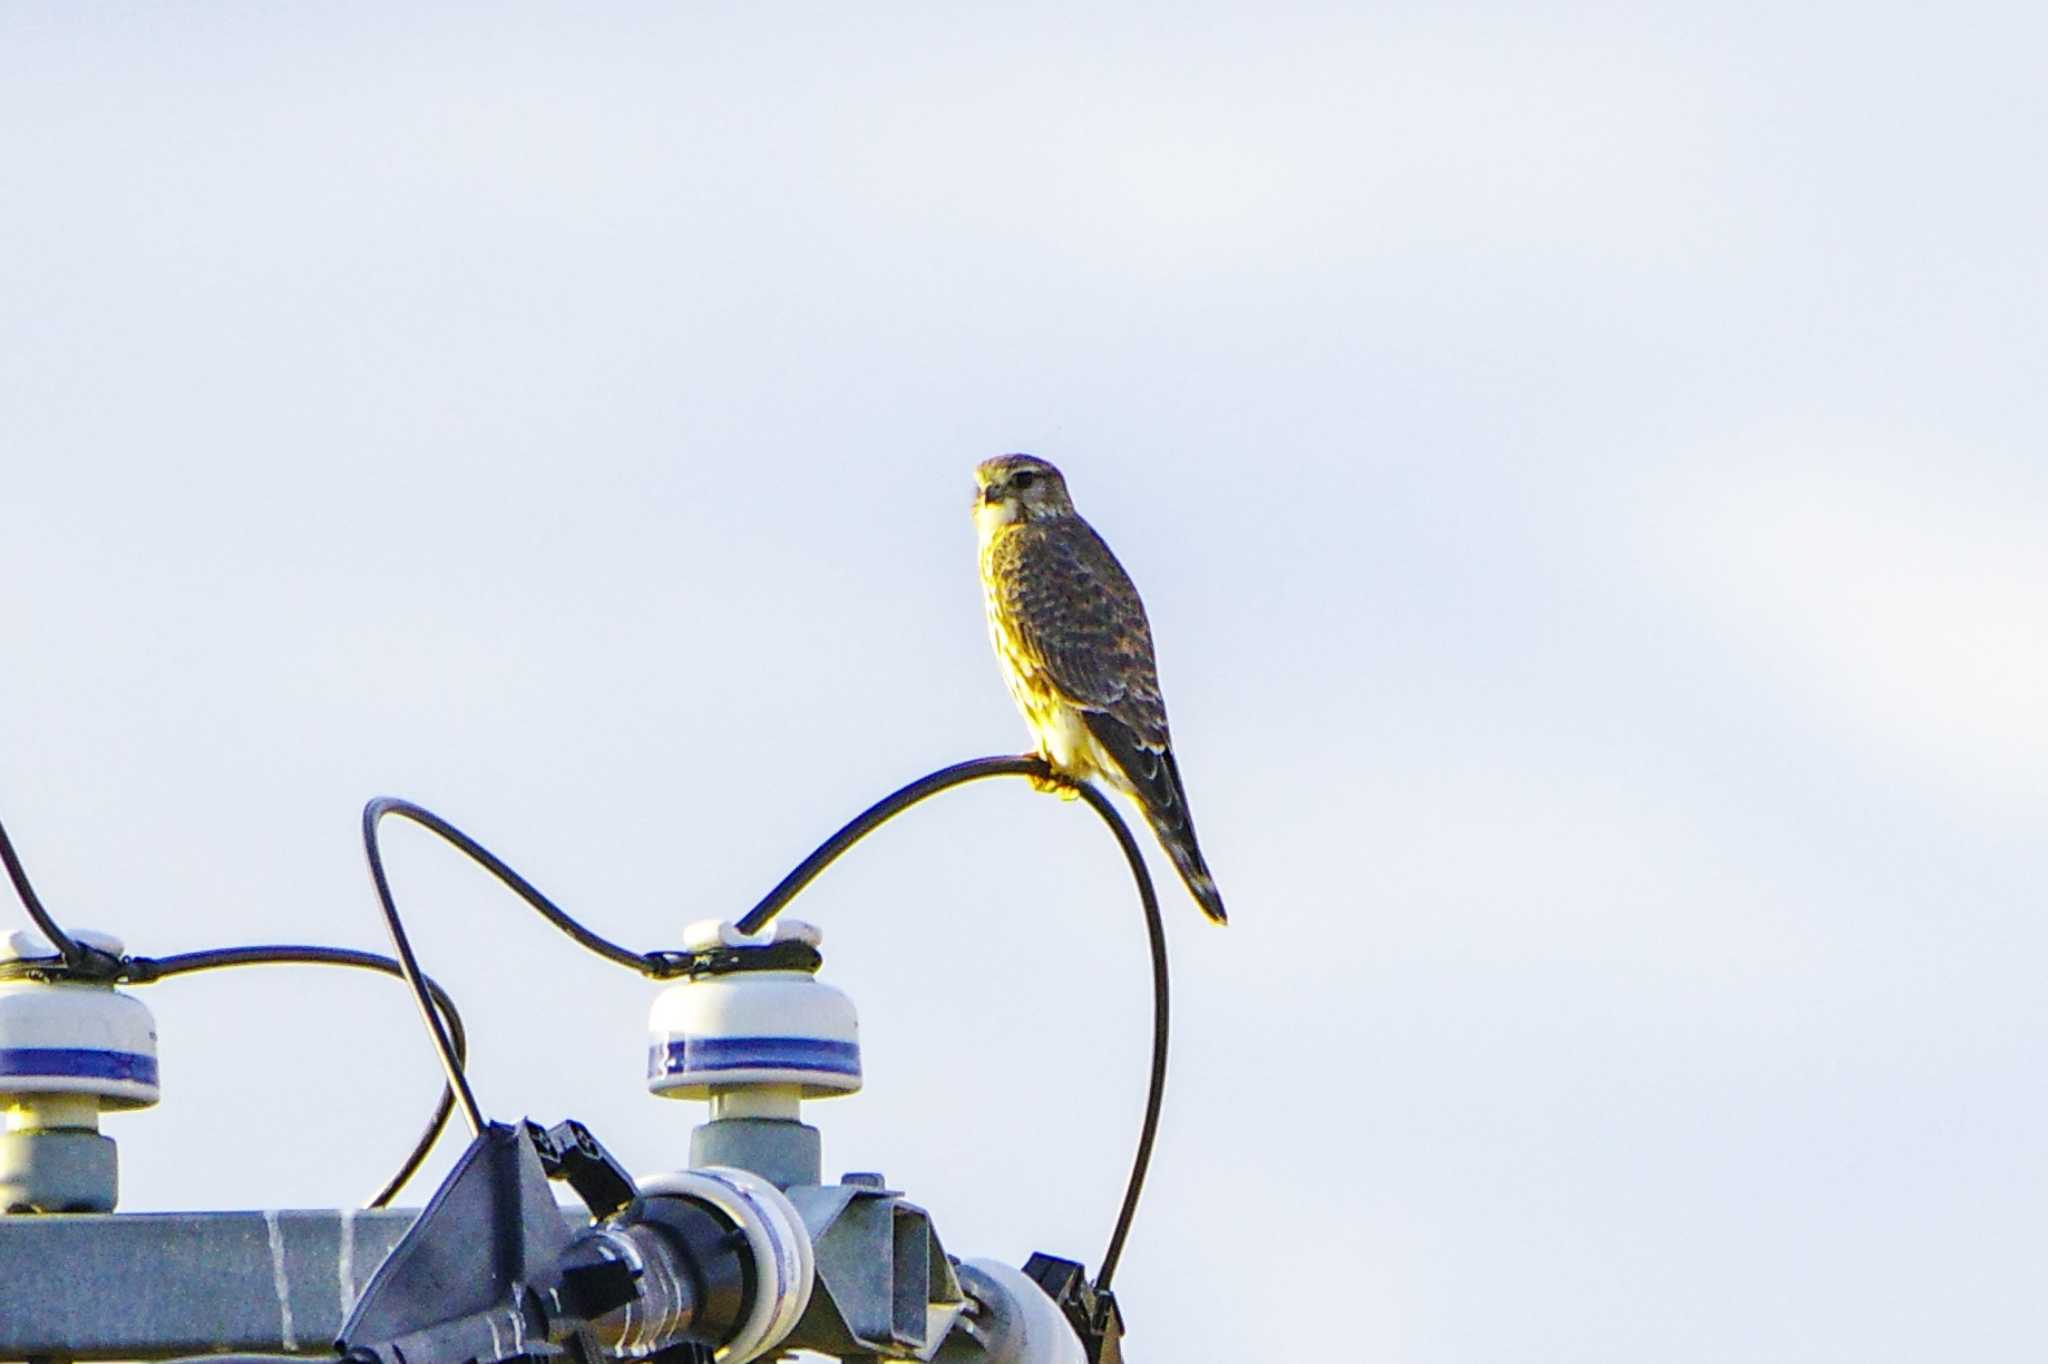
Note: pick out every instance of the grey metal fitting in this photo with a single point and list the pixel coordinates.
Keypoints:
(61, 1169)
(1012, 1321)
(780, 1150)
(885, 1284)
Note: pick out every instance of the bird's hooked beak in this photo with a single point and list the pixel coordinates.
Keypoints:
(987, 496)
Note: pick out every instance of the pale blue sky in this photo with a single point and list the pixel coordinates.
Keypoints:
(1585, 468)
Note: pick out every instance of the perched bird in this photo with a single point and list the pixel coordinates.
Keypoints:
(1076, 650)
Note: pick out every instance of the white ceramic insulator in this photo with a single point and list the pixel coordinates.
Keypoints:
(72, 1037)
(782, 1103)
(1047, 1337)
(785, 1267)
(752, 1028)
(53, 1112)
(703, 934)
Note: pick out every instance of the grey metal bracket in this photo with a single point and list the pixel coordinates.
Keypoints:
(141, 1286)
(158, 1285)
(885, 1285)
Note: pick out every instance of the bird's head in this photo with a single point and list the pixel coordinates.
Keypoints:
(1018, 488)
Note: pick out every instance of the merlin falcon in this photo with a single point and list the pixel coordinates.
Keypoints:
(1076, 650)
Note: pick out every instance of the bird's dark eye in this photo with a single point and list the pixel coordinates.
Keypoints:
(1022, 479)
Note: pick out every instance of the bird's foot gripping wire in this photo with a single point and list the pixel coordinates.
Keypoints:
(1051, 781)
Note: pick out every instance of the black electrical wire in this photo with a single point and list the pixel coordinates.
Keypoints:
(883, 810)
(654, 964)
(409, 965)
(895, 803)
(1155, 1086)
(645, 963)
(142, 970)
(94, 963)
(78, 956)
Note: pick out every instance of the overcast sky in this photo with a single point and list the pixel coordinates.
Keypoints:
(1586, 470)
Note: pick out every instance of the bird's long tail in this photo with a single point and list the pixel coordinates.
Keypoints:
(1150, 775)
(1179, 842)
(1165, 803)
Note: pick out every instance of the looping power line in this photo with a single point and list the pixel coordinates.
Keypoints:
(444, 1025)
(81, 960)
(901, 799)
(146, 969)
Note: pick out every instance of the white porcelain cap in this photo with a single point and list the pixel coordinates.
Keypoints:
(739, 1029)
(74, 1037)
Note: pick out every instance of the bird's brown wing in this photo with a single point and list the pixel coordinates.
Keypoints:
(1074, 611)
(1076, 615)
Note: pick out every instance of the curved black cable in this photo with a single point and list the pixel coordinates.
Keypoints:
(1155, 1090)
(78, 956)
(604, 947)
(93, 962)
(408, 964)
(654, 964)
(895, 803)
(143, 970)
(883, 810)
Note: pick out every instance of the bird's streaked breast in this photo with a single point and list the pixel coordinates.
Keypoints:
(1063, 736)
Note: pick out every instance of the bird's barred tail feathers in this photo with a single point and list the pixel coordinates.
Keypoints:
(1153, 777)
(1187, 860)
